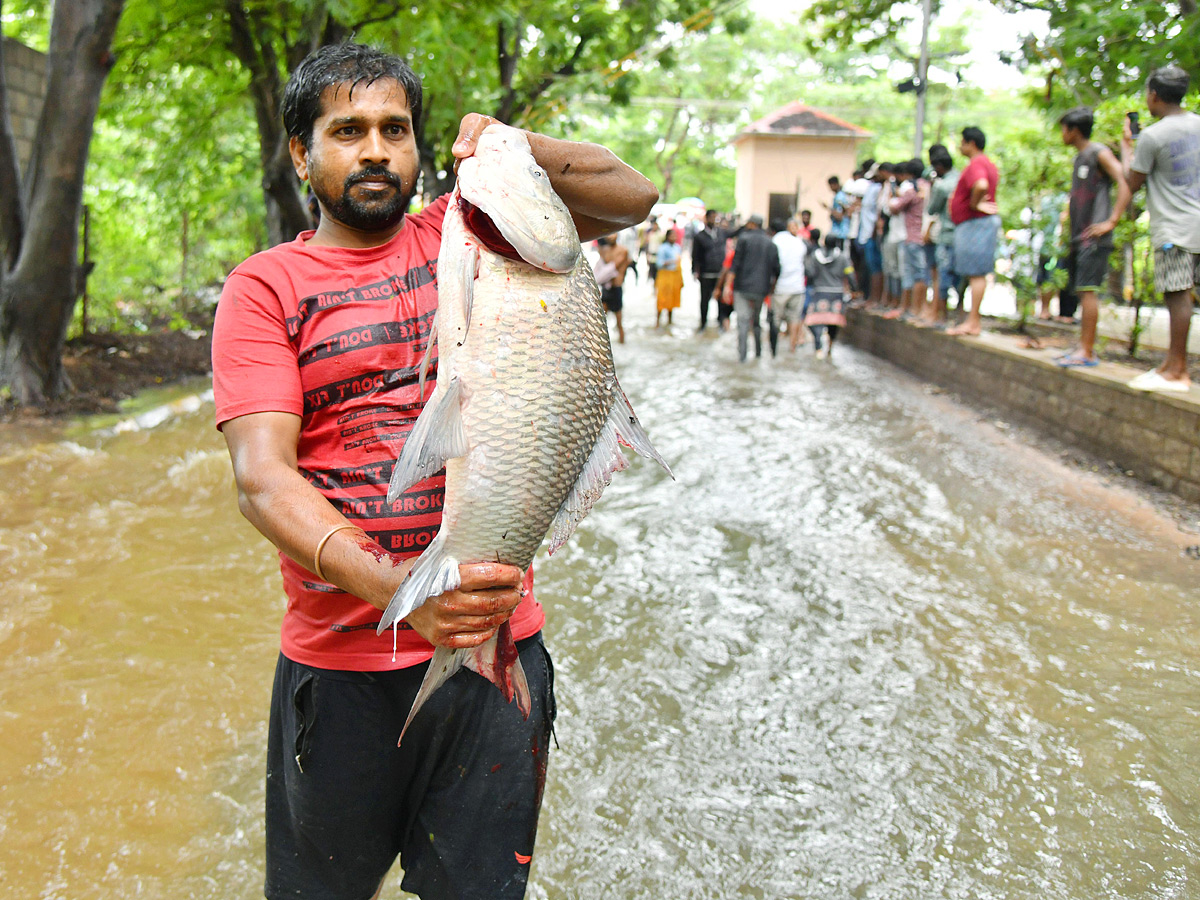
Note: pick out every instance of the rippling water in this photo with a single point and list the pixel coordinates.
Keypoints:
(866, 646)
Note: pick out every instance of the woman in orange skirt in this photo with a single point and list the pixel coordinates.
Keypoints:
(669, 280)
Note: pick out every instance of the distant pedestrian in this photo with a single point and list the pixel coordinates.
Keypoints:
(753, 273)
(908, 214)
(1167, 161)
(804, 231)
(787, 298)
(610, 275)
(1093, 217)
(940, 232)
(839, 209)
(669, 277)
(976, 225)
(827, 269)
(708, 255)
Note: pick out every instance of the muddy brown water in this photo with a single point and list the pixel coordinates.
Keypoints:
(867, 646)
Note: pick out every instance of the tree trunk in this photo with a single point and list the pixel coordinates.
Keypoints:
(39, 292)
(251, 42)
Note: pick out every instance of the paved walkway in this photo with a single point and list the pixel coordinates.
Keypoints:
(1115, 321)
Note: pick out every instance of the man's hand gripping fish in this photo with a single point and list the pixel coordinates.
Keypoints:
(527, 415)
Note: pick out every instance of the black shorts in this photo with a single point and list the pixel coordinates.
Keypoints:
(611, 297)
(458, 802)
(1087, 267)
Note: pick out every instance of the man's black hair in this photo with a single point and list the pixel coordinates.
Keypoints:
(915, 168)
(1170, 83)
(833, 179)
(342, 64)
(940, 158)
(832, 242)
(814, 235)
(778, 225)
(1080, 118)
(975, 135)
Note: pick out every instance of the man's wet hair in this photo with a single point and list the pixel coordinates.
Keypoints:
(1080, 118)
(940, 158)
(1170, 82)
(342, 64)
(975, 135)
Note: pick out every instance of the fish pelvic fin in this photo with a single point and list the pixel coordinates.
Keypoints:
(436, 437)
(496, 660)
(622, 427)
(433, 574)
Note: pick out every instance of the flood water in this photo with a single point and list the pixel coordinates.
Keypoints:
(868, 645)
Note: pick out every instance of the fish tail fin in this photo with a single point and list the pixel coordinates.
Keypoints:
(496, 660)
(434, 573)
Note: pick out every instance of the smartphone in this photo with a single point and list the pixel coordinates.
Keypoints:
(1133, 123)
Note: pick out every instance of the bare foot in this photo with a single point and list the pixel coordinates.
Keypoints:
(963, 329)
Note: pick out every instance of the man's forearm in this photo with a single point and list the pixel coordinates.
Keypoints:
(603, 193)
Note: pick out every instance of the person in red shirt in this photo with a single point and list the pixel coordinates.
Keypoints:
(317, 349)
(976, 226)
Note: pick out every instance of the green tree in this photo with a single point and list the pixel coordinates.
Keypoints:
(40, 209)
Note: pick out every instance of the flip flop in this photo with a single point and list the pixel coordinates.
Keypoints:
(1076, 361)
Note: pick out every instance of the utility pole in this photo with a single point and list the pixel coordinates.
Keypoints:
(922, 78)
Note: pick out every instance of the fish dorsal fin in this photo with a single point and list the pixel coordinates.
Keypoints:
(436, 437)
(622, 427)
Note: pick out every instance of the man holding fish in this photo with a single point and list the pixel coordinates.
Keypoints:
(317, 368)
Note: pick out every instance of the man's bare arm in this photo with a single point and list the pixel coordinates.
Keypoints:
(1110, 164)
(294, 516)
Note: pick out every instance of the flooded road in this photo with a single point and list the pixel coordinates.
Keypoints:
(867, 646)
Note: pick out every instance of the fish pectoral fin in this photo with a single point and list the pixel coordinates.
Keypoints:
(433, 574)
(470, 270)
(437, 436)
(496, 660)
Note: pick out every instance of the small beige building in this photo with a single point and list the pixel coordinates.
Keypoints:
(784, 161)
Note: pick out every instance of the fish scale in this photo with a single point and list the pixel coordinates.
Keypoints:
(527, 416)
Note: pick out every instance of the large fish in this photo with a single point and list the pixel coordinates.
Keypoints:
(527, 415)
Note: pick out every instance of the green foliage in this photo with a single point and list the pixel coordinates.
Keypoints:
(1093, 48)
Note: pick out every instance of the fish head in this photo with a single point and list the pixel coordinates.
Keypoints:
(504, 181)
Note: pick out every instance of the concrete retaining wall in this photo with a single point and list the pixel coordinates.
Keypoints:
(1156, 436)
(25, 81)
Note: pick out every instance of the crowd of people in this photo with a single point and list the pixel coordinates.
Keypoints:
(904, 236)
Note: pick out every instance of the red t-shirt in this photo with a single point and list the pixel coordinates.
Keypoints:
(336, 335)
(960, 204)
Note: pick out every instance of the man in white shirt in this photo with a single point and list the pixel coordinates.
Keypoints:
(788, 297)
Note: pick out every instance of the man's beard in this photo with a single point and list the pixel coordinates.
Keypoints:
(373, 215)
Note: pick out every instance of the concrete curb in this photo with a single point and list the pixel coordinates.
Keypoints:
(1154, 435)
